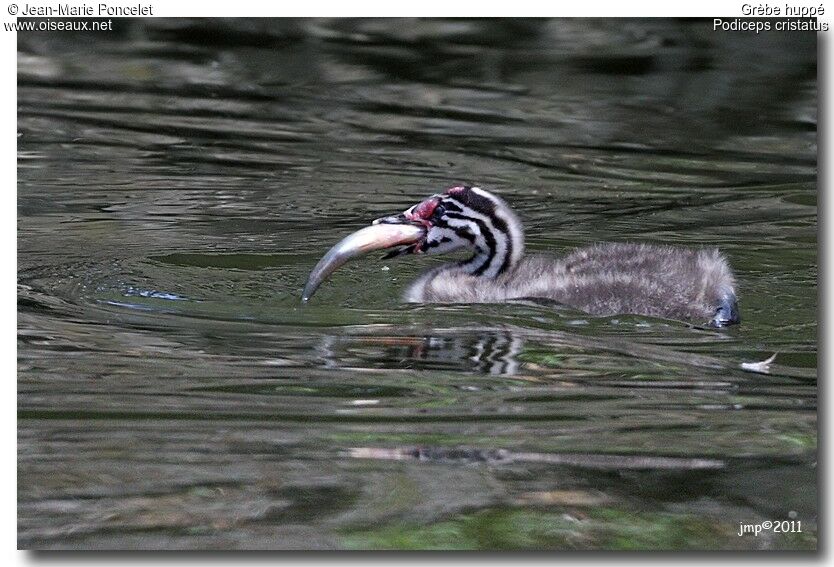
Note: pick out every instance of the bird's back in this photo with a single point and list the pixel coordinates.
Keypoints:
(603, 279)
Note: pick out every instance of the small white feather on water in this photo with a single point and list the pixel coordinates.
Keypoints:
(762, 367)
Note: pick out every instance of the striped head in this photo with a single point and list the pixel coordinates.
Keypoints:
(466, 218)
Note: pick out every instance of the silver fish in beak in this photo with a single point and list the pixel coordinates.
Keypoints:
(383, 234)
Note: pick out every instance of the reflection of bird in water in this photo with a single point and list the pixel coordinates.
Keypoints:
(492, 351)
(603, 279)
(500, 351)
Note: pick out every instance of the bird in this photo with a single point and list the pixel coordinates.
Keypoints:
(693, 284)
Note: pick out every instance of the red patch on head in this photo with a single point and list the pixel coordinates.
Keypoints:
(456, 190)
(424, 210)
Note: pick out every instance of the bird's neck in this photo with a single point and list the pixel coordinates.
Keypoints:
(498, 248)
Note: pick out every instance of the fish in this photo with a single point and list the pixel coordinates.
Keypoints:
(361, 242)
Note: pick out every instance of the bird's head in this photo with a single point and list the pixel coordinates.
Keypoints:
(462, 217)
(465, 217)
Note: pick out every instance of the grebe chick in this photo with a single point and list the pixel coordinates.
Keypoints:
(602, 279)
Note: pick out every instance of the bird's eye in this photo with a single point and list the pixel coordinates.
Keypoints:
(439, 211)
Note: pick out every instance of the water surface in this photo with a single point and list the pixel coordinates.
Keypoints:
(178, 179)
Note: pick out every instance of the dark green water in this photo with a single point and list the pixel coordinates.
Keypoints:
(177, 180)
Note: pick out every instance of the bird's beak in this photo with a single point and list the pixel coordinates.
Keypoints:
(386, 232)
(401, 218)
